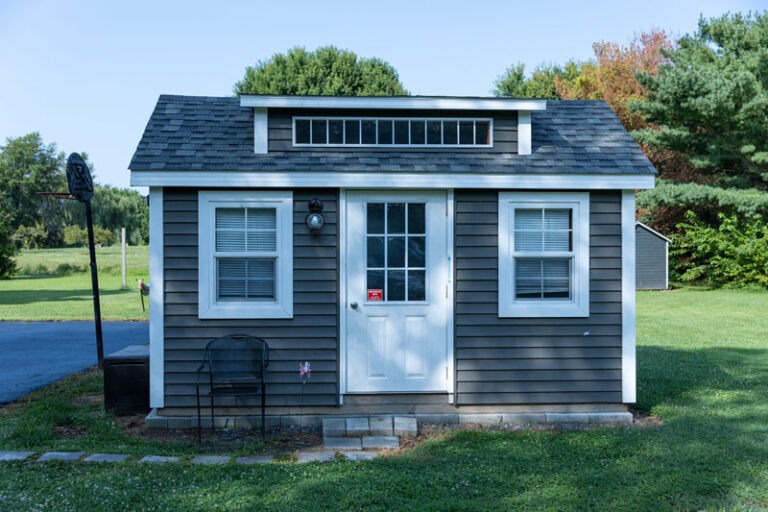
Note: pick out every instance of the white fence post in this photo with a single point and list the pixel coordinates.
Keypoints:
(122, 239)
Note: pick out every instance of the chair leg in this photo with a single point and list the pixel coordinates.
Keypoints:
(213, 420)
(263, 420)
(199, 426)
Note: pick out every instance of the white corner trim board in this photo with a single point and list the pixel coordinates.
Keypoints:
(260, 134)
(392, 102)
(524, 132)
(392, 180)
(628, 359)
(156, 309)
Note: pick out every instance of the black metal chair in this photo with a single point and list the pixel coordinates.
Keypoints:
(236, 366)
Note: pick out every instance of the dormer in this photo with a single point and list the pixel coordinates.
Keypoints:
(399, 123)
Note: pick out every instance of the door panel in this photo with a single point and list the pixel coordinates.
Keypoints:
(397, 271)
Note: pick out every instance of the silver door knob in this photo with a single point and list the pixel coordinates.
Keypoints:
(353, 305)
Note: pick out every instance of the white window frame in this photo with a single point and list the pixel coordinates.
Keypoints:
(578, 305)
(327, 144)
(208, 306)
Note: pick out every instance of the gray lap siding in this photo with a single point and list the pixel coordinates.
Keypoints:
(535, 360)
(311, 335)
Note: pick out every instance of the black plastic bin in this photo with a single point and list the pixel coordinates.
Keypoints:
(126, 381)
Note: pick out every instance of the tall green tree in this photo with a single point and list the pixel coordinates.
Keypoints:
(710, 101)
(114, 208)
(8, 248)
(327, 71)
(27, 166)
(515, 82)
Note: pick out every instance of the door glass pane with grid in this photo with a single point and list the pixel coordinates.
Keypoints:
(395, 250)
(246, 254)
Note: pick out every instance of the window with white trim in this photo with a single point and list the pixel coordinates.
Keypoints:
(245, 254)
(397, 132)
(543, 254)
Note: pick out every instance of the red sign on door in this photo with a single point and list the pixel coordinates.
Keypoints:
(375, 295)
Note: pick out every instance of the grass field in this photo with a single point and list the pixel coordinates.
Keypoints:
(38, 293)
(703, 369)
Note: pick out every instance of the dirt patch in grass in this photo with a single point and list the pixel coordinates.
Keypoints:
(69, 432)
(88, 400)
(277, 441)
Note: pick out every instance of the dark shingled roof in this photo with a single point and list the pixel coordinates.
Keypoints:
(213, 133)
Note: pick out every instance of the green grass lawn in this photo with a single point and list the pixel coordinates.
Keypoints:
(39, 294)
(703, 369)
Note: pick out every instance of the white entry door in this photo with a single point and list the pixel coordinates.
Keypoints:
(397, 286)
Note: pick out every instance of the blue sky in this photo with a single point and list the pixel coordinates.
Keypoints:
(86, 75)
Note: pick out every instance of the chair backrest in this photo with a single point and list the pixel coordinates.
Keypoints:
(237, 358)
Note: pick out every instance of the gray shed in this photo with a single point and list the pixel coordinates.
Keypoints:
(652, 258)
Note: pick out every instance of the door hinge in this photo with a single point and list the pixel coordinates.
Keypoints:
(446, 372)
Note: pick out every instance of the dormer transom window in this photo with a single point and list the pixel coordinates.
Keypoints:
(392, 132)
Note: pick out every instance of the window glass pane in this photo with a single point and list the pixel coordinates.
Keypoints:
(395, 285)
(230, 229)
(395, 217)
(557, 278)
(401, 132)
(352, 135)
(385, 131)
(231, 278)
(450, 132)
(416, 288)
(261, 278)
(482, 132)
(416, 218)
(395, 251)
(335, 131)
(318, 131)
(557, 218)
(433, 132)
(369, 131)
(375, 280)
(528, 232)
(466, 132)
(375, 251)
(416, 251)
(245, 278)
(262, 229)
(375, 218)
(527, 278)
(417, 132)
(302, 131)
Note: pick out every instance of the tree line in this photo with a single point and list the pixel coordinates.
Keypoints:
(27, 220)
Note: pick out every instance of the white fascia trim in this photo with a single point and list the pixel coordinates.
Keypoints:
(208, 307)
(390, 180)
(578, 306)
(654, 231)
(628, 285)
(392, 103)
(156, 307)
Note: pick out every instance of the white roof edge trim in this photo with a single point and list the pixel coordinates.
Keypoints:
(653, 231)
(393, 180)
(392, 102)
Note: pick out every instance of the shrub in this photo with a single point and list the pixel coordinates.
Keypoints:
(734, 254)
(75, 236)
(8, 250)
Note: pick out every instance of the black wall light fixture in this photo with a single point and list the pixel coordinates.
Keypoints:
(315, 219)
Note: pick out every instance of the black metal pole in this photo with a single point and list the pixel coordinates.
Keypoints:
(95, 285)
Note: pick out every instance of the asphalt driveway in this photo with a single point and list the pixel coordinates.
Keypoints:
(33, 354)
